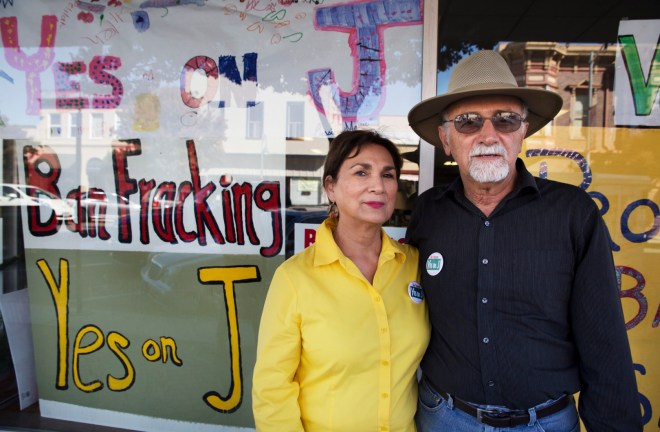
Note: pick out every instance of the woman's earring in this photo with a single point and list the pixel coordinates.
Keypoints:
(333, 211)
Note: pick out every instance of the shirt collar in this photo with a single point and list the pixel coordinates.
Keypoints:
(327, 251)
(525, 180)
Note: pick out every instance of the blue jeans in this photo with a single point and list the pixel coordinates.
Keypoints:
(436, 414)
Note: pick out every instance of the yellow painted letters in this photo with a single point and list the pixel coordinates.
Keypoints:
(227, 276)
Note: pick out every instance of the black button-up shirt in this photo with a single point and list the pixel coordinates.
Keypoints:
(526, 304)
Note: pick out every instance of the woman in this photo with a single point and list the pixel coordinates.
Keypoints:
(344, 325)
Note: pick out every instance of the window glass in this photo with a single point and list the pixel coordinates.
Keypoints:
(55, 125)
(305, 191)
(179, 147)
(255, 120)
(96, 125)
(75, 124)
(295, 119)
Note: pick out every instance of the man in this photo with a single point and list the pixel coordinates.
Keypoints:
(518, 274)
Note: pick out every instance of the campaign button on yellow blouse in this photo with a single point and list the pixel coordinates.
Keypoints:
(415, 292)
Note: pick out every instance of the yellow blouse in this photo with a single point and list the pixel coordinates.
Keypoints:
(336, 353)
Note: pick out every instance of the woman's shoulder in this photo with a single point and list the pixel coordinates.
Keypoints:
(301, 260)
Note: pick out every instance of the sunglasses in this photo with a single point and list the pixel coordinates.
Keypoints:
(504, 121)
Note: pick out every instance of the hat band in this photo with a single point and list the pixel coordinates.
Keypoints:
(483, 86)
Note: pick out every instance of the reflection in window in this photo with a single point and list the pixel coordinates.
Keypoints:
(75, 125)
(295, 119)
(579, 110)
(96, 125)
(115, 126)
(305, 191)
(255, 120)
(55, 125)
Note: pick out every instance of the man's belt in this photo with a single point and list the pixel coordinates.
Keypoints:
(505, 419)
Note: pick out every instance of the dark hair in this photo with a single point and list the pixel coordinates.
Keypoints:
(347, 142)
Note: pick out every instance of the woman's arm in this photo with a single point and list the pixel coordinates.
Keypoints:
(274, 389)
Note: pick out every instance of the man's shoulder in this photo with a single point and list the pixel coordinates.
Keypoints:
(545, 184)
(433, 193)
(560, 192)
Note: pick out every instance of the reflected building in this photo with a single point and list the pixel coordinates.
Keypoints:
(272, 135)
(583, 74)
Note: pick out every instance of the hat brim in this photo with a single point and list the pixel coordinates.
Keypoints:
(543, 105)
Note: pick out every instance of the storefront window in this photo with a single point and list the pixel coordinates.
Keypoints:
(161, 159)
(174, 153)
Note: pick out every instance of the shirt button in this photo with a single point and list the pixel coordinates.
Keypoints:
(376, 299)
(491, 383)
(484, 300)
(487, 223)
(383, 330)
(384, 395)
(385, 363)
(484, 261)
(486, 340)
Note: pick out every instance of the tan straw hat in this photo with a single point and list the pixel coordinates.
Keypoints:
(482, 73)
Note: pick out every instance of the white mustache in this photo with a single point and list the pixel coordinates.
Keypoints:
(495, 149)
